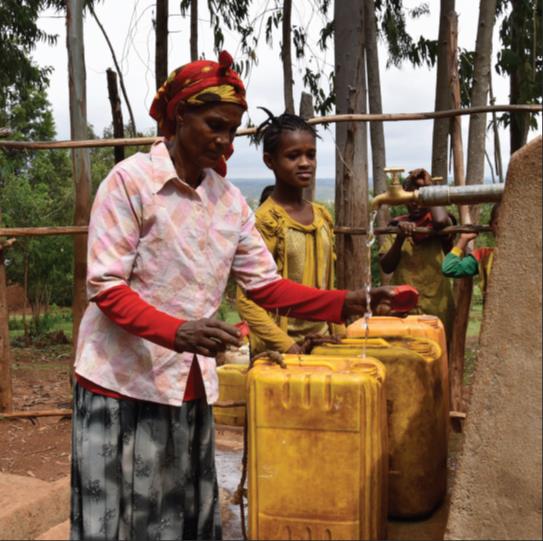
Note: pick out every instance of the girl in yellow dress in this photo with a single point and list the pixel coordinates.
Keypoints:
(298, 233)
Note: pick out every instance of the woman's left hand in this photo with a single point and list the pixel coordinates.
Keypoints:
(355, 301)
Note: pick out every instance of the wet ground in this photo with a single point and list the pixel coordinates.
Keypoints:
(229, 453)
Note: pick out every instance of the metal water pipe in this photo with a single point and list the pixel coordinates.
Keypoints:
(431, 196)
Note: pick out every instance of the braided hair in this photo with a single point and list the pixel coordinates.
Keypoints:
(269, 132)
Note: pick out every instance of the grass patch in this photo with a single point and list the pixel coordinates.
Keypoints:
(470, 362)
(475, 313)
(472, 335)
(57, 319)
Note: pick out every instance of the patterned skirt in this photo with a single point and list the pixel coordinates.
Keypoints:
(142, 470)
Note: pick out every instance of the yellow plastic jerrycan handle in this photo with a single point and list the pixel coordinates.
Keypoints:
(308, 360)
(318, 361)
(359, 341)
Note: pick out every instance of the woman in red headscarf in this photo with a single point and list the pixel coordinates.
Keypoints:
(166, 230)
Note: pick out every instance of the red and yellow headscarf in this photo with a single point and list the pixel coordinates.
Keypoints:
(198, 83)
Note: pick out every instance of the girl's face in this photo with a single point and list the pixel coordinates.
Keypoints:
(295, 161)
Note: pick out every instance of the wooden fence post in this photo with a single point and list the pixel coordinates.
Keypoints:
(351, 200)
(5, 355)
(116, 113)
(80, 157)
(463, 286)
(307, 111)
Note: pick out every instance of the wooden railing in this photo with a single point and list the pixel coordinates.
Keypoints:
(5, 365)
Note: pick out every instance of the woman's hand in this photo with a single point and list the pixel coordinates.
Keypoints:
(355, 301)
(206, 336)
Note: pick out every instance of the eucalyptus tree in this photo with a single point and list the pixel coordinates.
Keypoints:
(521, 58)
(19, 35)
(482, 66)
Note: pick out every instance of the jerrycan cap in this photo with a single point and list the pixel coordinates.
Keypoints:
(243, 328)
(405, 299)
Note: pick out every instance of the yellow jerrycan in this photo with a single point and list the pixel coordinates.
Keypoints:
(421, 326)
(317, 449)
(417, 419)
(232, 387)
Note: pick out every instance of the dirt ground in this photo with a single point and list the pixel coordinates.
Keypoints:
(40, 447)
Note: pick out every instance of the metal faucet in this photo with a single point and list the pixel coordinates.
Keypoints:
(395, 194)
(431, 196)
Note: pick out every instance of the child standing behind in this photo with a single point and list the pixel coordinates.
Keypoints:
(458, 263)
(415, 258)
(298, 233)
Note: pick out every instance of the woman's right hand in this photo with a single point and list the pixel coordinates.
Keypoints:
(206, 336)
(355, 301)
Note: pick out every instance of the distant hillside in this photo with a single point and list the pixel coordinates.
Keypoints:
(251, 189)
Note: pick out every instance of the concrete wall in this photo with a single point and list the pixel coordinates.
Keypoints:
(497, 492)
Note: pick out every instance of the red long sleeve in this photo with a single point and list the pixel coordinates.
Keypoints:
(127, 309)
(302, 302)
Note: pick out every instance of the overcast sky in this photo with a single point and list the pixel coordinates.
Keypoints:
(129, 26)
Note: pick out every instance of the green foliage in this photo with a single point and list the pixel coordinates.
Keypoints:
(102, 158)
(466, 60)
(375, 266)
(54, 325)
(234, 15)
(521, 55)
(36, 190)
(485, 239)
(19, 34)
(392, 21)
(324, 102)
(227, 310)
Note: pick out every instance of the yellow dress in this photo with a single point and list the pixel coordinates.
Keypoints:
(304, 254)
(420, 267)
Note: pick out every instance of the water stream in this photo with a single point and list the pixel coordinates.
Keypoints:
(370, 239)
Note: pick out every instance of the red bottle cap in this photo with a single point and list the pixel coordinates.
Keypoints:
(243, 328)
(405, 298)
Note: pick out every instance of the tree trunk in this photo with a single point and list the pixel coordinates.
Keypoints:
(116, 113)
(497, 149)
(351, 139)
(193, 30)
(161, 42)
(377, 135)
(80, 157)
(25, 293)
(519, 126)
(117, 67)
(5, 355)
(463, 286)
(307, 111)
(286, 57)
(443, 96)
(479, 94)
